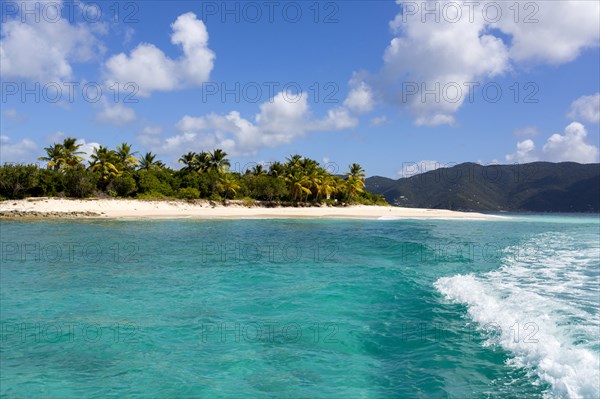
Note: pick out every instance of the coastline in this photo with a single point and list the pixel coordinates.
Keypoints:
(100, 208)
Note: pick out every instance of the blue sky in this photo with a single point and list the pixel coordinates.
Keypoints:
(360, 68)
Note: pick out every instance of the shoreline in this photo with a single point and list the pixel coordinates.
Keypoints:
(110, 208)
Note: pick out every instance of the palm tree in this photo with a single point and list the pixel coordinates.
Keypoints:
(72, 155)
(65, 155)
(203, 159)
(355, 181)
(218, 161)
(276, 169)
(190, 161)
(298, 184)
(356, 171)
(293, 161)
(105, 161)
(325, 185)
(148, 161)
(126, 157)
(55, 156)
(228, 184)
(258, 170)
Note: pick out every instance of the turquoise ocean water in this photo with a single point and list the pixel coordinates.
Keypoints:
(301, 309)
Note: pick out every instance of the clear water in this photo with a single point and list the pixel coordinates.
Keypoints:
(301, 309)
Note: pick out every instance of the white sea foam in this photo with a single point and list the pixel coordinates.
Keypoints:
(542, 307)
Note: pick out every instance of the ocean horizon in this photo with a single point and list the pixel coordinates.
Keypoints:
(301, 308)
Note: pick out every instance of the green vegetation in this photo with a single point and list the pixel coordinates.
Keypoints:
(531, 187)
(206, 175)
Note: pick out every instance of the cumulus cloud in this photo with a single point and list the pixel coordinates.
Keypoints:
(153, 70)
(439, 56)
(87, 149)
(23, 151)
(278, 122)
(570, 146)
(525, 152)
(586, 108)
(45, 51)
(360, 98)
(116, 114)
(550, 32)
(445, 56)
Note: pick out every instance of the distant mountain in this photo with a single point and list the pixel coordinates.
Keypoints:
(533, 187)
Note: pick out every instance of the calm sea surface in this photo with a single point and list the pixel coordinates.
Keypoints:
(301, 309)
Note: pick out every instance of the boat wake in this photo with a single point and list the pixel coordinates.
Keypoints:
(542, 306)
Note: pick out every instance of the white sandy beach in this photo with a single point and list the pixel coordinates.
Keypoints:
(126, 208)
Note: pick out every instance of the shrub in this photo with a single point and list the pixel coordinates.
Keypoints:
(148, 182)
(150, 196)
(188, 193)
(267, 188)
(50, 183)
(215, 197)
(123, 185)
(17, 180)
(80, 183)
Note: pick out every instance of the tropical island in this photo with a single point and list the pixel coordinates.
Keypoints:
(122, 183)
(126, 181)
(123, 173)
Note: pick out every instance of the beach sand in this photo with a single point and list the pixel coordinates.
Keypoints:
(171, 209)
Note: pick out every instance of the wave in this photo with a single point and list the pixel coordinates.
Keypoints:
(542, 306)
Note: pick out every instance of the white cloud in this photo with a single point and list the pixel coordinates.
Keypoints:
(152, 70)
(360, 98)
(563, 29)
(586, 108)
(438, 56)
(571, 146)
(44, 51)
(23, 151)
(337, 119)
(525, 152)
(426, 53)
(116, 114)
(87, 149)
(278, 122)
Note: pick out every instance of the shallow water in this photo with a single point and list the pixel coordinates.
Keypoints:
(301, 308)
